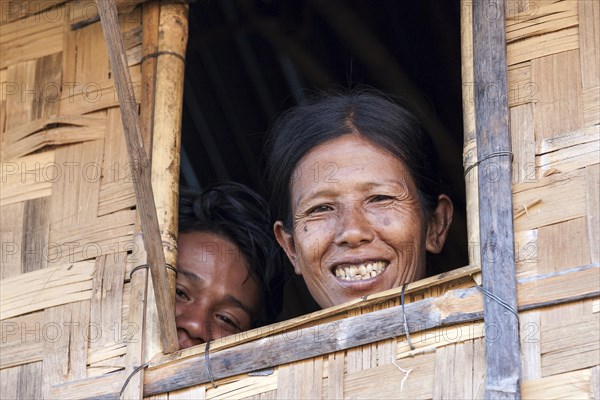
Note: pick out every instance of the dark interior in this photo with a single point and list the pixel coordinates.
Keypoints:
(248, 60)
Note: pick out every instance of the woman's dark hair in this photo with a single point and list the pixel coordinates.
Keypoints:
(373, 116)
(237, 213)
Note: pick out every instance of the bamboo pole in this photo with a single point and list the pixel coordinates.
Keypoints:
(495, 199)
(150, 19)
(166, 137)
(470, 139)
(140, 165)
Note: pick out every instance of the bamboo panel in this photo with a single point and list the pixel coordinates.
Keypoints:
(430, 340)
(36, 229)
(28, 178)
(526, 253)
(549, 287)
(416, 381)
(32, 90)
(3, 94)
(243, 386)
(95, 238)
(300, 380)
(193, 393)
(521, 90)
(539, 18)
(561, 199)
(460, 370)
(596, 382)
(85, 97)
(591, 106)
(30, 38)
(11, 239)
(106, 304)
(560, 246)
(22, 340)
(116, 185)
(559, 108)
(97, 354)
(9, 377)
(56, 136)
(86, 11)
(593, 210)
(541, 46)
(570, 151)
(29, 137)
(21, 382)
(17, 9)
(94, 387)
(566, 335)
(589, 43)
(572, 385)
(334, 387)
(75, 193)
(137, 338)
(54, 286)
(65, 348)
(531, 361)
(523, 144)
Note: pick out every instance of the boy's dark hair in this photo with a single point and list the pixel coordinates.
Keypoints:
(239, 214)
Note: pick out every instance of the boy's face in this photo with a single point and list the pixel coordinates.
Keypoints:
(215, 296)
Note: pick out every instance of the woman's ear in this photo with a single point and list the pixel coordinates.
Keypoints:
(439, 224)
(287, 243)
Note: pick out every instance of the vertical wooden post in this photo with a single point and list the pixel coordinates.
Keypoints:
(140, 166)
(495, 200)
(470, 139)
(168, 109)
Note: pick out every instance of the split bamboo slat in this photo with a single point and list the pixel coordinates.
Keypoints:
(75, 324)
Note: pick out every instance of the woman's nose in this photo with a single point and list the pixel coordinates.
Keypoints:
(354, 228)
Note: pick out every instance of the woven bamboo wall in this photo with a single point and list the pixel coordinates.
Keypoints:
(67, 203)
(554, 97)
(68, 308)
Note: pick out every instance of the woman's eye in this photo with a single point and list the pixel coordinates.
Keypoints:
(319, 209)
(379, 198)
(181, 294)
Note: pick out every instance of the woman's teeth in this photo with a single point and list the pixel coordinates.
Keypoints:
(360, 272)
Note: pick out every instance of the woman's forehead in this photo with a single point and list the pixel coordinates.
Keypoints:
(348, 162)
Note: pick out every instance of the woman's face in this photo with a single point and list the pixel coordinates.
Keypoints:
(215, 297)
(358, 226)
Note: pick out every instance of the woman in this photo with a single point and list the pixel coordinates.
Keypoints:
(355, 194)
(227, 279)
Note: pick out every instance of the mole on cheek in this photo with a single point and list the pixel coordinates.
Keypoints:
(305, 229)
(386, 221)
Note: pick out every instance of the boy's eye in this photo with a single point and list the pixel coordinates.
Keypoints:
(229, 321)
(181, 294)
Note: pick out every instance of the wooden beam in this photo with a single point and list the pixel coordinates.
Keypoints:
(140, 167)
(454, 307)
(495, 197)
